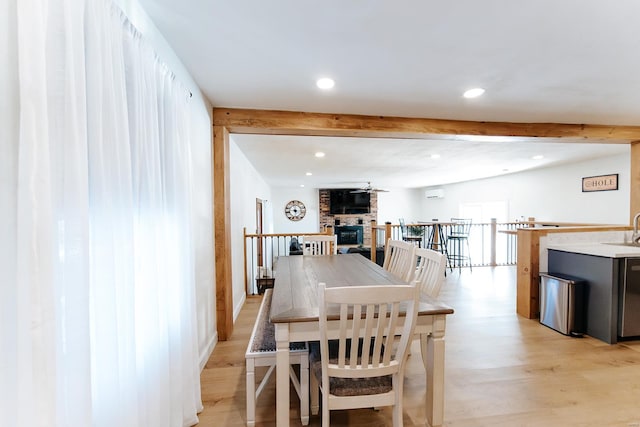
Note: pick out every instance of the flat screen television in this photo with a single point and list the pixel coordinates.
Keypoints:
(343, 201)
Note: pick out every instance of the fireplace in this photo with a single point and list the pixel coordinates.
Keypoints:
(349, 234)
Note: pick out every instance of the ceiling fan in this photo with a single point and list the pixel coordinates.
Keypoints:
(369, 189)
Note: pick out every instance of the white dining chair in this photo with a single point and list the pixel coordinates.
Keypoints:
(357, 364)
(399, 259)
(430, 271)
(322, 244)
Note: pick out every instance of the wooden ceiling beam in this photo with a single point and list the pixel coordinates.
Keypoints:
(270, 122)
(348, 125)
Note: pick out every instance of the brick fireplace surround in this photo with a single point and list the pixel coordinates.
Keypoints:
(326, 218)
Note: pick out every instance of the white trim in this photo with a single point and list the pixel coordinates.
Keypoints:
(211, 345)
(238, 308)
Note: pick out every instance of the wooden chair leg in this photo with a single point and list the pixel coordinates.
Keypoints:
(326, 413)
(397, 408)
(315, 395)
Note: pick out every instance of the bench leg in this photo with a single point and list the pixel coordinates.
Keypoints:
(251, 393)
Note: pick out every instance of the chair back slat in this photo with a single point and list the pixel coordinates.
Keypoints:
(378, 344)
(354, 335)
(343, 335)
(391, 324)
(369, 330)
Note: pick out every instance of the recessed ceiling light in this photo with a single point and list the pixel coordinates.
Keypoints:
(538, 157)
(435, 156)
(309, 174)
(325, 83)
(473, 93)
(302, 185)
(319, 154)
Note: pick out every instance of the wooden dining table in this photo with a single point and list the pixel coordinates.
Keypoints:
(294, 312)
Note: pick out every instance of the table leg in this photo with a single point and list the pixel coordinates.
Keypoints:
(432, 348)
(282, 374)
(436, 238)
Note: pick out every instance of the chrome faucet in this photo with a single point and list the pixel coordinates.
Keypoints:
(635, 238)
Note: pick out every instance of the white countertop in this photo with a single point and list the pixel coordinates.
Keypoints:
(597, 249)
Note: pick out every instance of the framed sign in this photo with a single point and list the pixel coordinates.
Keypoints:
(600, 183)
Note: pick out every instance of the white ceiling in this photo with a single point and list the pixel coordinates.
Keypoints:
(570, 61)
(403, 163)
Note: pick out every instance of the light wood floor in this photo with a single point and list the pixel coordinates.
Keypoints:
(501, 370)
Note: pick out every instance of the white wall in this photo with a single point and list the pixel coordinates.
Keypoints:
(397, 203)
(246, 186)
(400, 203)
(201, 128)
(549, 194)
(309, 196)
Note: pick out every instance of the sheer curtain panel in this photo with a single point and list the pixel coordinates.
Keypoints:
(97, 308)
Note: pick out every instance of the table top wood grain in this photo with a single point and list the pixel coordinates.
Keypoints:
(295, 294)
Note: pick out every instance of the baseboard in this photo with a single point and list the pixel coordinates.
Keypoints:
(204, 357)
(211, 345)
(238, 308)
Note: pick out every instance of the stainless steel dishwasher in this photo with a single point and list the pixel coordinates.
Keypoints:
(629, 299)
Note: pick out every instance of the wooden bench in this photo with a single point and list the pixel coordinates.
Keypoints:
(261, 351)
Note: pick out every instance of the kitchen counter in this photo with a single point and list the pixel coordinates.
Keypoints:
(597, 249)
(600, 265)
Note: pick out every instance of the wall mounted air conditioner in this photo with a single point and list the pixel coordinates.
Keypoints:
(438, 193)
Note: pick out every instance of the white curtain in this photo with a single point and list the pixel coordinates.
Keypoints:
(97, 300)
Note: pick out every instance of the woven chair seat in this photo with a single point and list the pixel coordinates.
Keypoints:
(346, 386)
